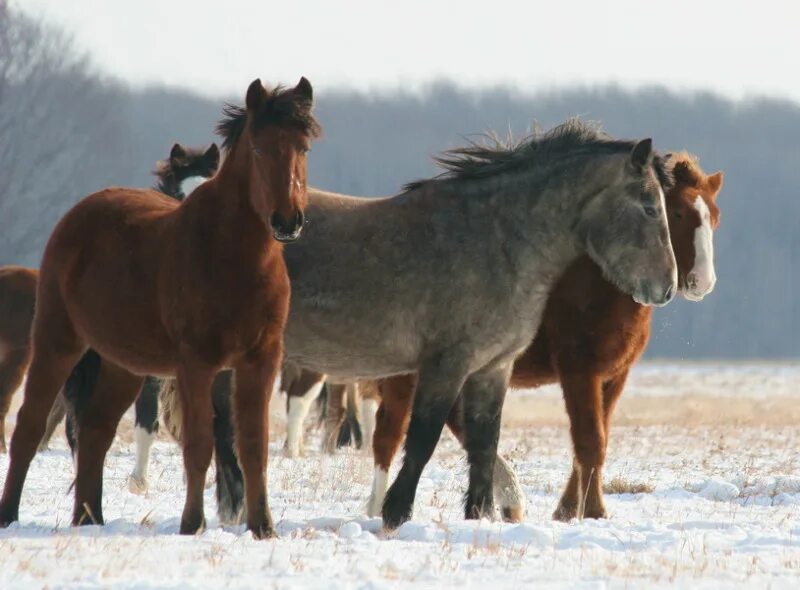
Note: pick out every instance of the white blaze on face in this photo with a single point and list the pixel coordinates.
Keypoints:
(701, 279)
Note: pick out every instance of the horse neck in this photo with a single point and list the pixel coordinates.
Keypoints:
(545, 227)
(229, 195)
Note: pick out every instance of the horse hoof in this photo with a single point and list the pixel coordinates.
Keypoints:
(7, 517)
(513, 513)
(137, 485)
(394, 514)
(565, 513)
(596, 513)
(192, 527)
(263, 532)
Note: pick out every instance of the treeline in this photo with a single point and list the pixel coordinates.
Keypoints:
(66, 130)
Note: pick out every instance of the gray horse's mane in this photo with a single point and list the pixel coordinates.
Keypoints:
(491, 155)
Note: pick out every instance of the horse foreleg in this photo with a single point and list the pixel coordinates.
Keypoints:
(144, 433)
(194, 391)
(255, 377)
(483, 396)
(584, 401)
(391, 423)
(507, 490)
(113, 393)
(438, 385)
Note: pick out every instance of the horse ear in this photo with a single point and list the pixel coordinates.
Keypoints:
(256, 95)
(304, 89)
(212, 155)
(177, 152)
(642, 154)
(715, 182)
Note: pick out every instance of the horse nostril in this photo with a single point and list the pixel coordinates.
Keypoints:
(300, 220)
(277, 222)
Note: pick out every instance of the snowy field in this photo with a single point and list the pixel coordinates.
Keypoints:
(711, 450)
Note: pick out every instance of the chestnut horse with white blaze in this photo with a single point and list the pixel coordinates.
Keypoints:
(149, 283)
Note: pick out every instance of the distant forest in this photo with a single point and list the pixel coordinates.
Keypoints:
(67, 130)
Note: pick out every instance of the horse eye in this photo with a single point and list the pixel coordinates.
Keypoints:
(651, 211)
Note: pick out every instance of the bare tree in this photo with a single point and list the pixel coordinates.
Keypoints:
(59, 131)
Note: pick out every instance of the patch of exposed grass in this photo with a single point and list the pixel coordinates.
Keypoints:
(618, 485)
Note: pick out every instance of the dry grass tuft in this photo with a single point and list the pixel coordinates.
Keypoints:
(619, 485)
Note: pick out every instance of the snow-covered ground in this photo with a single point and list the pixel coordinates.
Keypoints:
(713, 450)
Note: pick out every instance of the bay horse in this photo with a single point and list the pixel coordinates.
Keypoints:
(591, 335)
(171, 173)
(148, 283)
(449, 279)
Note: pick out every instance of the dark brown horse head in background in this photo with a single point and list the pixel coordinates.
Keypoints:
(184, 163)
(276, 128)
(693, 217)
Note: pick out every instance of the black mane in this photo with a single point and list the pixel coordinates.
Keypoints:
(282, 107)
(493, 155)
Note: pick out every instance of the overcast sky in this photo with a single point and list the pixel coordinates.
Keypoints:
(735, 47)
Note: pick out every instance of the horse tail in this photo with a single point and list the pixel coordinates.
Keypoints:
(230, 481)
(78, 390)
(350, 432)
(171, 408)
(322, 404)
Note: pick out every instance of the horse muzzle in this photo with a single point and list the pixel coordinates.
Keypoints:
(287, 231)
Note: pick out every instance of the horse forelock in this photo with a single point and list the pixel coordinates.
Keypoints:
(281, 107)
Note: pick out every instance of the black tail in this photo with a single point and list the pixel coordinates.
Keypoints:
(350, 432)
(78, 391)
(230, 482)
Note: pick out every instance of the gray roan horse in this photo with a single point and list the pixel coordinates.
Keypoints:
(449, 279)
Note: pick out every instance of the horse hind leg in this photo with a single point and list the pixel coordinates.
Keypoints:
(301, 394)
(391, 423)
(197, 414)
(145, 430)
(56, 349)
(12, 371)
(370, 400)
(113, 393)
